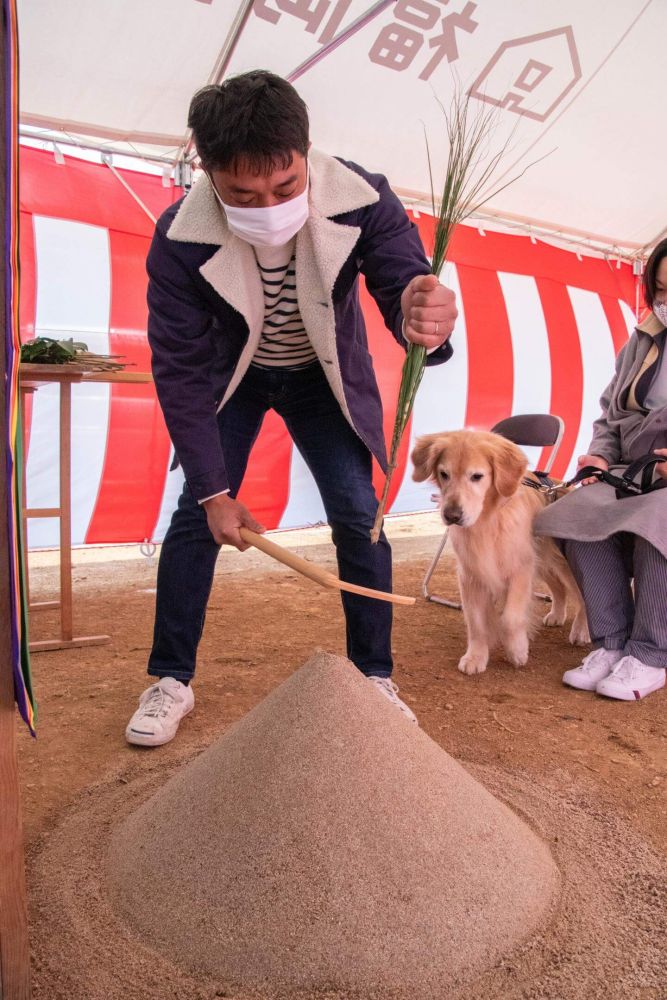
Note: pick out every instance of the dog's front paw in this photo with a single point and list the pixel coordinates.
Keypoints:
(473, 663)
(517, 648)
(579, 634)
(553, 619)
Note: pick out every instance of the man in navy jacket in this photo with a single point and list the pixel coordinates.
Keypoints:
(253, 305)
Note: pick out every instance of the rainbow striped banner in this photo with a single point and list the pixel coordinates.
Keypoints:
(18, 624)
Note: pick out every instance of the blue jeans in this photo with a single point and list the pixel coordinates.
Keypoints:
(341, 466)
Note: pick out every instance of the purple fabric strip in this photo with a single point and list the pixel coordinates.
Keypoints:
(10, 166)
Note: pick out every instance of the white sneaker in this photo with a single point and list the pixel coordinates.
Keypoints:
(631, 680)
(594, 668)
(386, 686)
(161, 708)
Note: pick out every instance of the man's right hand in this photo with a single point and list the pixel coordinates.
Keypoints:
(596, 462)
(225, 516)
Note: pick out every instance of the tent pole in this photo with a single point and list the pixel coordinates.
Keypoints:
(222, 62)
(99, 131)
(644, 251)
(377, 8)
(65, 139)
(594, 241)
(231, 41)
(14, 950)
(106, 160)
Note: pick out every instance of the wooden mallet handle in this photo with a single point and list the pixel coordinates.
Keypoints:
(313, 572)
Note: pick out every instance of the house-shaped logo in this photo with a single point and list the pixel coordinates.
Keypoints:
(531, 75)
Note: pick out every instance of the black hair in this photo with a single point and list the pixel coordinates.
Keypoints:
(651, 271)
(255, 118)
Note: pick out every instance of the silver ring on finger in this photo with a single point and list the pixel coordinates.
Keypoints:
(435, 334)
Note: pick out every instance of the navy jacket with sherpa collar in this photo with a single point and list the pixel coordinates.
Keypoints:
(206, 305)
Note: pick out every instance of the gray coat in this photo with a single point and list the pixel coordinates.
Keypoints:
(623, 432)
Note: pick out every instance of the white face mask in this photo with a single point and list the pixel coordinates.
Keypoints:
(660, 309)
(268, 227)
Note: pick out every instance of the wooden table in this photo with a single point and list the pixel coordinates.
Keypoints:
(31, 378)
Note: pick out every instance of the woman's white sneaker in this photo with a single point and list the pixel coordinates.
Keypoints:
(161, 708)
(594, 668)
(631, 680)
(386, 686)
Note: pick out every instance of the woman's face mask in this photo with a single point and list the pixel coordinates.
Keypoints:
(660, 310)
(267, 227)
(660, 291)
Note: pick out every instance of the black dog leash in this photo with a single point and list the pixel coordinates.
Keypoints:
(625, 485)
(543, 483)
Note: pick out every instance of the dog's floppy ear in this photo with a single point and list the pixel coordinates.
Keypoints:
(509, 467)
(425, 455)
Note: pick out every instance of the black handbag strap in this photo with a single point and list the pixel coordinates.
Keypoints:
(646, 466)
(625, 485)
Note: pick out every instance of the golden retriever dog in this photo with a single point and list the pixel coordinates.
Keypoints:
(490, 513)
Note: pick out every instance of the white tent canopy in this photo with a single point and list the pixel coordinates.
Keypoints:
(576, 85)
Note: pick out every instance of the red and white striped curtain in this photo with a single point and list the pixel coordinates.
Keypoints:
(538, 331)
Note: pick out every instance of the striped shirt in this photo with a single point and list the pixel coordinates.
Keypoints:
(284, 342)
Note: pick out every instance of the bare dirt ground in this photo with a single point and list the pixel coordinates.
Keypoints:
(589, 774)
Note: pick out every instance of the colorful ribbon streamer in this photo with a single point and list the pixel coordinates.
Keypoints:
(18, 611)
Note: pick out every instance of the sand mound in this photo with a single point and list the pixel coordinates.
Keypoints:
(326, 843)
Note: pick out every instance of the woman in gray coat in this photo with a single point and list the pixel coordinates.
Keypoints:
(608, 542)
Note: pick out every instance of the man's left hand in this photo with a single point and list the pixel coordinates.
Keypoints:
(661, 469)
(429, 311)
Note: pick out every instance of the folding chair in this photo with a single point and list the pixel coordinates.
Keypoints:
(527, 430)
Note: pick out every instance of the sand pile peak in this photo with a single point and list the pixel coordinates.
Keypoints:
(324, 842)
